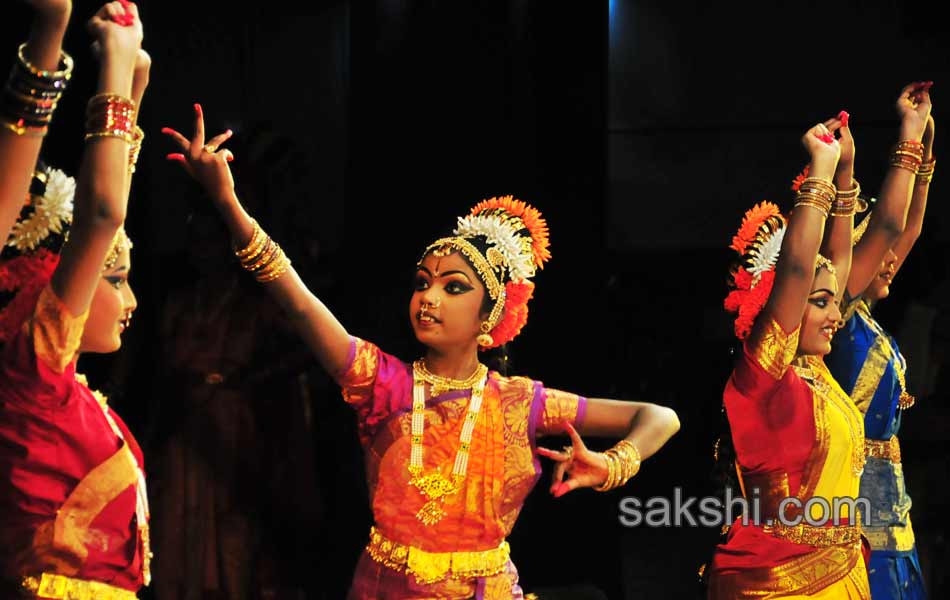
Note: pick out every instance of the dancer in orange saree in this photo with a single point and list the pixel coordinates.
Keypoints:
(450, 447)
(795, 432)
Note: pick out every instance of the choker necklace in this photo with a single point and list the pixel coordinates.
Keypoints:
(435, 486)
(439, 385)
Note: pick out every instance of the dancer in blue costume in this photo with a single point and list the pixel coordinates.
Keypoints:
(865, 360)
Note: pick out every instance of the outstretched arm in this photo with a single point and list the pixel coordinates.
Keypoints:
(320, 329)
(19, 150)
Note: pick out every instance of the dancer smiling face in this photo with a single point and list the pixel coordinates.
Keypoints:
(822, 315)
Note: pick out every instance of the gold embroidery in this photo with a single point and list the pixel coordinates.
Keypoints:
(63, 542)
(824, 385)
(815, 463)
(429, 567)
(805, 575)
(889, 450)
(56, 333)
(879, 356)
(774, 349)
(892, 537)
(59, 587)
(357, 382)
(819, 537)
(558, 406)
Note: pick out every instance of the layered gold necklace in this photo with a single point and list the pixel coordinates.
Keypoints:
(435, 486)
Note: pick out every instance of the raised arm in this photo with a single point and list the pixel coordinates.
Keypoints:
(890, 215)
(321, 331)
(795, 270)
(102, 186)
(20, 140)
(836, 244)
(918, 202)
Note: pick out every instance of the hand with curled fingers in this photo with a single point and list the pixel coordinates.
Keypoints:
(114, 41)
(582, 467)
(205, 161)
(824, 149)
(913, 108)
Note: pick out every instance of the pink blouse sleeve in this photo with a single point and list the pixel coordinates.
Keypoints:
(375, 384)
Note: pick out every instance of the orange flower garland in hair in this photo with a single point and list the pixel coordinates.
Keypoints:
(758, 243)
(526, 251)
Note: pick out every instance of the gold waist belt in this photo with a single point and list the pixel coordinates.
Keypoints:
(886, 450)
(821, 537)
(60, 587)
(429, 567)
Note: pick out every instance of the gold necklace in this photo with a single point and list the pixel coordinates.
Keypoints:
(435, 486)
(438, 385)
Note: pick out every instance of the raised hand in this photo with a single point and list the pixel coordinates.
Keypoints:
(824, 149)
(913, 108)
(115, 39)
(582, 467)
(204, 160)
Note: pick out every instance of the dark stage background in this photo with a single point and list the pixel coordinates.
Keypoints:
(642, 130)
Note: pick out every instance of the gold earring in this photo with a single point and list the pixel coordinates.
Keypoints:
(485, 339)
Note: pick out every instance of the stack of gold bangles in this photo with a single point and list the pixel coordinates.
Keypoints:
(926, 171)
(908, 155)
(138, 136)
(263, 257)
(623, 462)
(817, 193)
(111, 115)
(846, 203)
(31, 95)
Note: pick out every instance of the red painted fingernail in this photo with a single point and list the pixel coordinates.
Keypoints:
(230, 157)
(175, 156)
(197, 107)
(166, 130)
(844, 116)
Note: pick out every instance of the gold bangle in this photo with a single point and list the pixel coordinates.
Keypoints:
(19, 128)
(254, 246)
(62, 74)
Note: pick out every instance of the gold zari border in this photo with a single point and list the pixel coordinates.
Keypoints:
(60, 587)
(820, 537)
(430, 567)
(774, 349)
(889, 450)
(806, 575)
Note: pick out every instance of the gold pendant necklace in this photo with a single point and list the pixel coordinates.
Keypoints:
(435, 486)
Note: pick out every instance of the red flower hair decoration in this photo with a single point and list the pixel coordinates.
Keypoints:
(758, 243)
